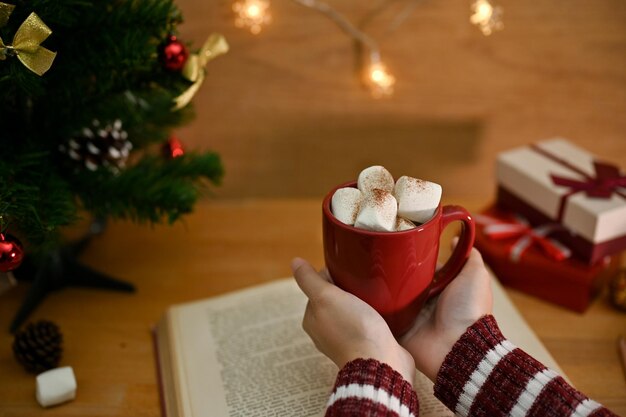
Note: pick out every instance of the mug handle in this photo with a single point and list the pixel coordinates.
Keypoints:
(462, 250)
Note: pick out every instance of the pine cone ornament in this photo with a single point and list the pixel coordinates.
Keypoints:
(100, 146)
(39, 346)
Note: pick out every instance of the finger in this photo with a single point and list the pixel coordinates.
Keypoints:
(308, 324)
(308, 316)
(326, 275)
(297, 263)
(310, 282)
(475, 267)
(476, 259)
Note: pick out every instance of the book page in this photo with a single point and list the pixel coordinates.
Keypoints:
(245, 354)
(430, 406)
(515, 328)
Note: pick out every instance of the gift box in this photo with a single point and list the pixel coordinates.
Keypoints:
(555, 181)
(526, 258)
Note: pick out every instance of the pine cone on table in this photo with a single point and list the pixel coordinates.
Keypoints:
(39, 346)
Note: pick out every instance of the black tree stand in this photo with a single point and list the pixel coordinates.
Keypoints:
(60, 268)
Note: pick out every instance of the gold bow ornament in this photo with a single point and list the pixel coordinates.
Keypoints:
(194, 69)
(27, 42)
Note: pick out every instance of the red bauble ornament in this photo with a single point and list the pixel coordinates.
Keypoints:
(173, 54)
(173, 148)
(11, 252)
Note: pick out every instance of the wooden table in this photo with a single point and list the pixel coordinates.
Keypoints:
(224, 246)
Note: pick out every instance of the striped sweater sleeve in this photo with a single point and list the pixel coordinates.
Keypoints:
(486, 375)
(366, 387)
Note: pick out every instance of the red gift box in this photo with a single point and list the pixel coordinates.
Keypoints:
(527, 259)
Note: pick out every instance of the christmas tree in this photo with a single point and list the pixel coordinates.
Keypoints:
(89, 93)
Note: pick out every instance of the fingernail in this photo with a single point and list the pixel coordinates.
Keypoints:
(297, 263)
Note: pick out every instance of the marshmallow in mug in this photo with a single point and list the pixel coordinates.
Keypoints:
(378, 212)
(375, 177)
(404, 224)
(417, 199)
(345, 204)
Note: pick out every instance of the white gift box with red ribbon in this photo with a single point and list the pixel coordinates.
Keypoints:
(556, 181)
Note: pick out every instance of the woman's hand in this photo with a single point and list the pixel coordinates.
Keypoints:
(343, 327)
(466, 299)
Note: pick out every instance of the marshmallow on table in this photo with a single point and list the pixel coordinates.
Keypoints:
(417, 199)
(345, 204)
(375, 177)
(378, 212)
(56, 386)
(404, 224)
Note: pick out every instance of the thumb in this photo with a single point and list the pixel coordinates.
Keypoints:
(297, 263)
(310, 282)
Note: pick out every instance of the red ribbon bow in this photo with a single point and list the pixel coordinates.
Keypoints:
(526, 236)
(606, 182)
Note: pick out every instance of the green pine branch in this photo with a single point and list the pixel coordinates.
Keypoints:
(153, 190)
(34, 199)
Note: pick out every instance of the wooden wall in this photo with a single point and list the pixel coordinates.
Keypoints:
(287, 113)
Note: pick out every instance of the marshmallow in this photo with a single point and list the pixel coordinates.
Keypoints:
(56, 386)
(345, 204)
(375, 177)
(404, 224)
(417, 199)
(378, 212)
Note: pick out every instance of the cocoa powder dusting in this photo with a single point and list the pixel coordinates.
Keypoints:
(415, 184)
(356, 207)
(379, 196)
(380, 179)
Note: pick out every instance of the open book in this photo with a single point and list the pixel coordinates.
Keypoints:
(245, 354)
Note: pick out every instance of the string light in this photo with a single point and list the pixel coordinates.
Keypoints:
(378, 78)
(376, 75)
(486, 17)
(252, 14)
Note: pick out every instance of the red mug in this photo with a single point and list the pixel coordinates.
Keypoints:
(394, 272)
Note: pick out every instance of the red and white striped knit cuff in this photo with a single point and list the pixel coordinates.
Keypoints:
(485, 374)
(369, 387)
